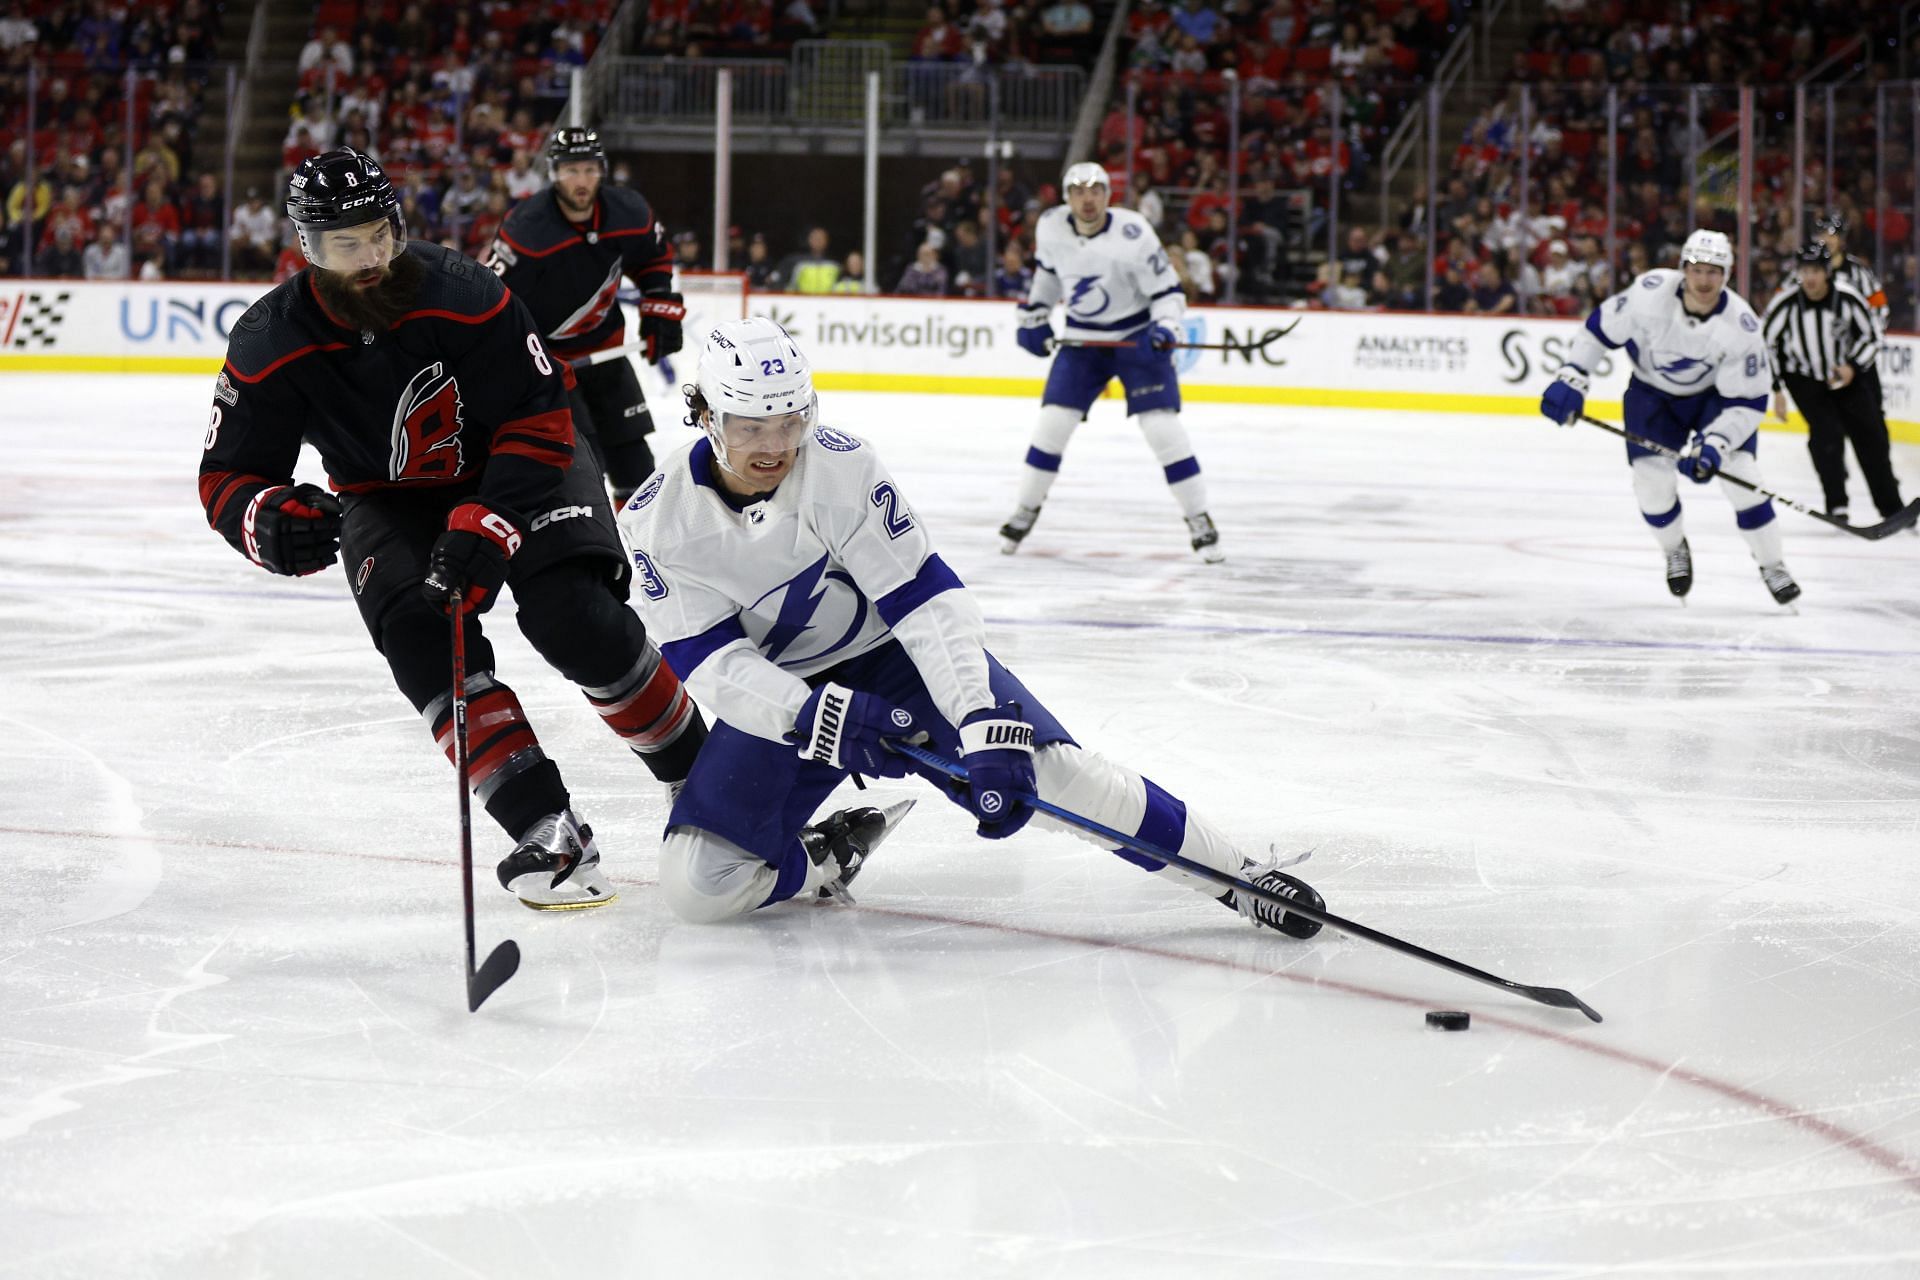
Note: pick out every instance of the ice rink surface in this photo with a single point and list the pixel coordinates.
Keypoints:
(233, 1040)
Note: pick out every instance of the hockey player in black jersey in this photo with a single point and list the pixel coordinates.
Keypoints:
(563, 251)
(444, 426)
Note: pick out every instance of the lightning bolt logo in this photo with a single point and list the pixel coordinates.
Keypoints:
(1085, 289)
(801, 597)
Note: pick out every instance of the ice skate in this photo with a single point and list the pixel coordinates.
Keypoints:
(1206, 538)
(1017, 527)
(556, 866)
(1268, 876)
(1785, 590)
(848, 838)
(1680, 570)
(1839, 513)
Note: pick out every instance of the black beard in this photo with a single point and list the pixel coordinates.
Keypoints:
(376, 309)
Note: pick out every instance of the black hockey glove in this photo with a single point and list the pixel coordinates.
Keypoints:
(661, 315)
(471, 558)
(996, 745)
(846, 729)
(293, 530)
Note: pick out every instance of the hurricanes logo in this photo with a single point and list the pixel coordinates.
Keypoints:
(593, 311)
(426, 428)
(360, 578)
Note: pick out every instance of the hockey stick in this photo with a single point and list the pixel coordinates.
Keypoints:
(504, 962)
(1901, 519)
(604, 357)
(1554, 996)
(1250, 348)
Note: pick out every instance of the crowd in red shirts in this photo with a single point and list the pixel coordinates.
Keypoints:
(75, 204)
(1548, 242)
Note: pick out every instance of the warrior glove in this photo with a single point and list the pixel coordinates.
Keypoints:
(1157, 339)
(845, 729)
(1565, 398)
(1035, 334)
(997, 746)
(293, 530)
(1702, 462)
(661, 315)
(471, 558)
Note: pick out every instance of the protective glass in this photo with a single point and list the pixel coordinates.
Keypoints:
(776, 434)
(359, 248)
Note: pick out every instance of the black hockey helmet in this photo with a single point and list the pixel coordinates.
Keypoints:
(1832, 224)
(1814, 253)
(339, 189)
(571, 143)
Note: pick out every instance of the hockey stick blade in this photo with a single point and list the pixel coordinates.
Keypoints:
(1893, 524)
(1898, 522)
(492, 974)
(1554, 996)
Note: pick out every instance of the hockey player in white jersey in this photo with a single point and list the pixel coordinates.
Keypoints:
(793, 586)
(1699, 385)
(1107, 266)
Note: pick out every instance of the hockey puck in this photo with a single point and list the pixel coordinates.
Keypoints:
(1448, 1020)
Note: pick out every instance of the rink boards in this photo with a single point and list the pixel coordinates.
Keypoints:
(1371, 360)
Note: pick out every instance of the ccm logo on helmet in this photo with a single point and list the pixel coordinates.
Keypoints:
(559, 513)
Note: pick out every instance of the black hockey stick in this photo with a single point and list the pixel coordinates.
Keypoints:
(607, 356)
(504, 962)
(1260, 347)
(1901, 519)
(1554, 996)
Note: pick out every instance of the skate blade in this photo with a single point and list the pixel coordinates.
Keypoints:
(893, 813)
(1008, 546)
(578, 892)
(571, 904)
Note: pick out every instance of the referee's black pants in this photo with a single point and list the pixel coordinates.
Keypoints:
(1835, 417)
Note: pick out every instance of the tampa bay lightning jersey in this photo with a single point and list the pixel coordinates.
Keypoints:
(1723, 352)
(747, 601)
(1677, 353)
(1112, 283)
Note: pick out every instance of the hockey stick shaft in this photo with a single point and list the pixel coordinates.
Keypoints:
(1894, 523)
(505, 958)
(1554, 996)
(607, 356)
(1248, 347)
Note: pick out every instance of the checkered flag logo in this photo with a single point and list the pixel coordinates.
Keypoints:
(37, 317)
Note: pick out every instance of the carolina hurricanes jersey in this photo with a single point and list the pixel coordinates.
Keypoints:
(568, 273)
(1681, 354)
(746, 601)
(460, 389)
(1113, 282)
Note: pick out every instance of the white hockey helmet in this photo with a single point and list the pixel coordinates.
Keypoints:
(1084, 174)
(1711, 248)
(758, 388)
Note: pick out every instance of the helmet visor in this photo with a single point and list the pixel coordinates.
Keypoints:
(366, 246)
(776, 433)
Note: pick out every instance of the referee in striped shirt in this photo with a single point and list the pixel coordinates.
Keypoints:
(1847, 269)
(1824, 340)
